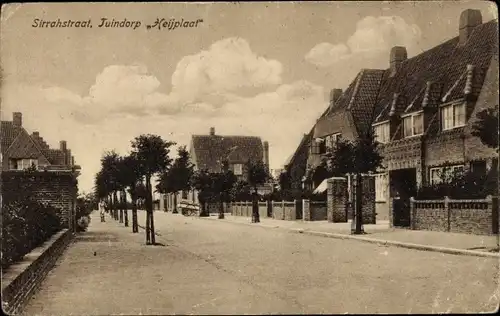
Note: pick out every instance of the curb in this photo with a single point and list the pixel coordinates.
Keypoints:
(452, 251)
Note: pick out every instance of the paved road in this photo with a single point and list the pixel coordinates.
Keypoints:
(209, 267)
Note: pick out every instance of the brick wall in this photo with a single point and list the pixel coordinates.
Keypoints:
(21, 280)
(289, 210)
(318, 211)
(336, 200)
(459, 216)
(58, 188)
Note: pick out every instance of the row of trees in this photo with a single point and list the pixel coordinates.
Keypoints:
(132, 174)
(149, 158)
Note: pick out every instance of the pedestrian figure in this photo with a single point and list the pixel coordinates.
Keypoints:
(101, 210)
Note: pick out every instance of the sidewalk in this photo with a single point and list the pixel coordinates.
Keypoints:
(109, 270)
(418, 239)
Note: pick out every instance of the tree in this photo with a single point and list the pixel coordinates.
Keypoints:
(152, 154)
(202, 181)
(256, 174)
(486, 127)
(223, 183)
(355, 158)
(109, 168)
(178, 177)
(130, 176)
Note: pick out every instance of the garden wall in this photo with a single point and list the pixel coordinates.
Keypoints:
(314, 210)
(459, 216)
(57, 188)
(21, 280)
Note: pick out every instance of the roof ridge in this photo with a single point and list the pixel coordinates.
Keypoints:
(356, 88)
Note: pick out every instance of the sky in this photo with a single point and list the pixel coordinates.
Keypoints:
(259, 69)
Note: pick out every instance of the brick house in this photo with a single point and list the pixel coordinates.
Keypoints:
(209, 152)
(56, 179)
(425, 110)
(421, 110)
(20, 150)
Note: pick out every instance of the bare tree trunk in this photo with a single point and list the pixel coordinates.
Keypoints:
(121, 207)
(255, 208)
(175, 211)
(125, 208)
(221, 206)
(149, 207)
(135, 225)
(115, 205)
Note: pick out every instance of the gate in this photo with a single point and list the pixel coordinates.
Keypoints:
(401, 212)
(298, 209)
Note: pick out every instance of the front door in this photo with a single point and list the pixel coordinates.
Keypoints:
(404, 183)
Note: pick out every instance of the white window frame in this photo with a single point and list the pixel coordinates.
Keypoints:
(456, 119)
(238, 169)
(331, 141)
(381, 187)
(23, 164)
(382, 132)
(436, 172)
(411, 119)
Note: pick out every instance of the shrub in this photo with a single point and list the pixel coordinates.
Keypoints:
(26, 225)
(469, 185)
(82, 223)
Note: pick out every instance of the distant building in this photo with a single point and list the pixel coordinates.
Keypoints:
(208, 152)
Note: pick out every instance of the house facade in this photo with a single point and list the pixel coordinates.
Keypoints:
(425, 111)
(56, 179)
(421, 110)
(209, 152)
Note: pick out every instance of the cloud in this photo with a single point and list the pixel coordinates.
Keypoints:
(373, 35)
(210, 89)
(228, 65)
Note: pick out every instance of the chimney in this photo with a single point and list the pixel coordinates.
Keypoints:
(72, 160)
(266, 154)
(398, 56)
(469, 19)
(212, 131)
(36, 135)
(62, 145)
(17, 119)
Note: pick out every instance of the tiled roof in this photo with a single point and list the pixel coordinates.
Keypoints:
(358, 99)
(23, 147)
(305, 141)
(55, 156)
(8, 134)
(210, 150)
(446, 65)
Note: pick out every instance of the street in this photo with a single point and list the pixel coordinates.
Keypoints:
(210, 267)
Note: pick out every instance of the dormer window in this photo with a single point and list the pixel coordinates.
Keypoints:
(413, 125)
(452, 115)
(382, 134)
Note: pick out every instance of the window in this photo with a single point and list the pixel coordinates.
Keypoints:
(452, 116)
(315, 147)
(413, 125)
(331, 141)
(444, 174)
(238, 169)
(382, 133)
(381, 185)
(22, 164)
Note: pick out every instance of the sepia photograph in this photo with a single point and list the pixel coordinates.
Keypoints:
(249, 158)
